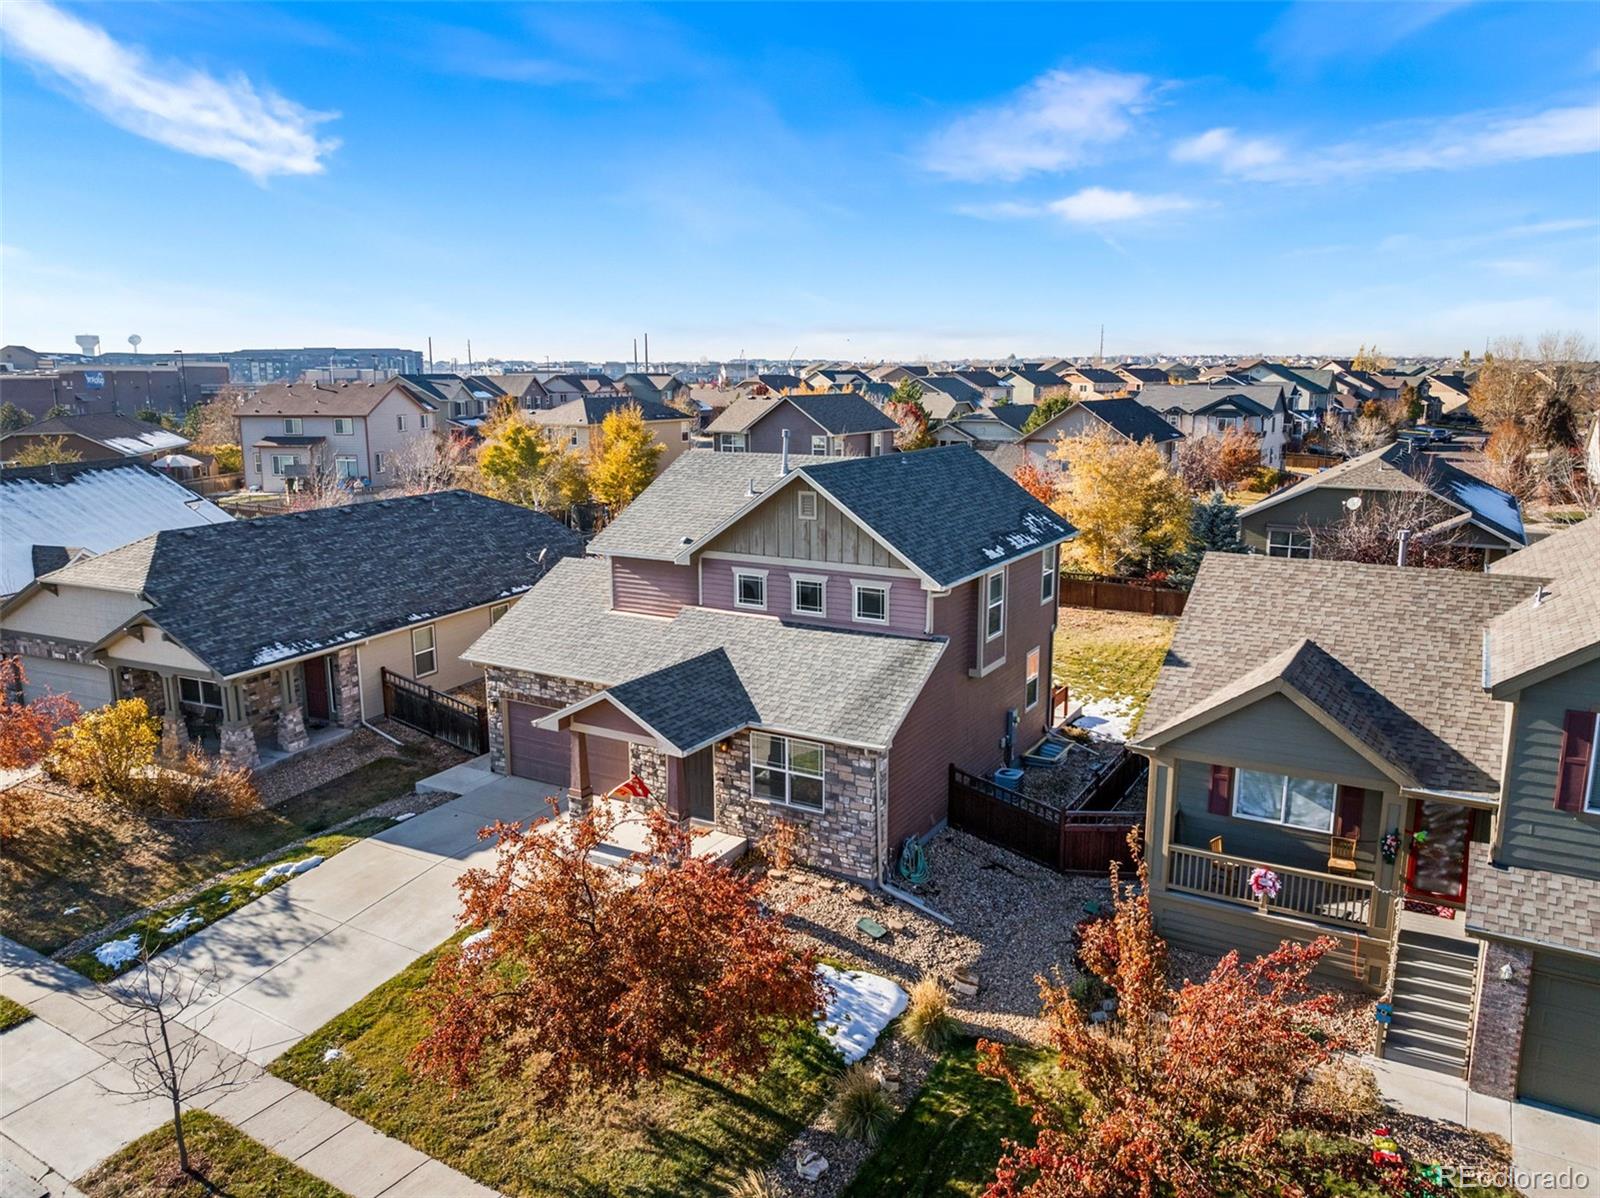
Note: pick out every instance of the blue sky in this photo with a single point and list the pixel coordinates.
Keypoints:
(856, 181)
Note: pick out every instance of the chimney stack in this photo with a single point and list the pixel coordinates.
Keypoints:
(783, 466)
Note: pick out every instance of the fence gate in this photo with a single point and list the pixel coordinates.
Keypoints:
(452, 720)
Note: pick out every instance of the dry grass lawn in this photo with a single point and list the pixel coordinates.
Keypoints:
(231, 1162)
(1111, 654)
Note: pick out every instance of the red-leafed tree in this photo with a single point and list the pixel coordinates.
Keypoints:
(906, 409)
(584, 980)
(27, 730)
(1039, 481)
(1184, 1092)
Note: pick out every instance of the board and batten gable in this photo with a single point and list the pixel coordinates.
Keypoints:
(908, 603)
(959, 718)
(652, 588)
(775, 529)
(1533, 834)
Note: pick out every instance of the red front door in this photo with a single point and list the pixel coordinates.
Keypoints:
(316, 673)
(1437, 867)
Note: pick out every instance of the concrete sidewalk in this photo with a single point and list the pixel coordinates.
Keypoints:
(61, 1113)
(1545, 1144)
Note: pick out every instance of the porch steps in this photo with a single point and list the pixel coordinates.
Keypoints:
(1433, 984)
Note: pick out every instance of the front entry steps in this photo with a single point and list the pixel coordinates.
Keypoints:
(1431, 1027)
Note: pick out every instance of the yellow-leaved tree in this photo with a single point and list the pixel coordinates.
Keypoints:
(522, 463)
(1131, 512)
(622, 461)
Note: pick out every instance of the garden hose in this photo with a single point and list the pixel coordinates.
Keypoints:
(913, 862)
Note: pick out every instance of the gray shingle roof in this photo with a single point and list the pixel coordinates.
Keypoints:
(1566, 620)
(946, 511)
(1253, 399)
(1012, 415)
(843, 413)
(1094, 374)
(248, 593)
(1416, 674)
(830, 684)
(592, 409)
(1132, 419)
(692, 702)
(329, 399)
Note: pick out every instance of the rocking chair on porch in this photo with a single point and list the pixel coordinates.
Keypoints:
(1342, 855)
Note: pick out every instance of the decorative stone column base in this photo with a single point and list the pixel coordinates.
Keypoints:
(239, 744)
(579, 802)
(1497, 1024)
(174, 736)
(292, 735)
(347, 683)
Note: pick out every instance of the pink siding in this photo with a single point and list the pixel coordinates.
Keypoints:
(960, 719)
(651, 588)
(908, 610)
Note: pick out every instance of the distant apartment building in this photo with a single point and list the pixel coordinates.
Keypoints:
(113, 390)
(250, 366)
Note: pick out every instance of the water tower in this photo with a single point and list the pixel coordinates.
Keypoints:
(89, 343)
(133, 340)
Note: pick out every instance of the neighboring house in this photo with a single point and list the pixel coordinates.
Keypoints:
(834, 379)
(1446, 394)
(1136, 377)
(246, 635)
(893, 374)
(562, 388)
(1033, 386)
(464, 401)
(1210, 409)
(292, 432)
(986, 427)
(524, 389)
(769, 384)
(576, 423)
(1310, 711)
(1179, 372)
(817, 645)
(659, 388)
(96, 438)
(1087, 382)
(49, 515)
(1476, 515)
(839, 424)
(946, 397)
(1125, 418)
(987, 383)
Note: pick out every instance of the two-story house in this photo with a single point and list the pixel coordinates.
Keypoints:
(1211, 409)
(1403, 760)
(841, 424)
(1088, 382)
(354, 431)
(1458, 507)
(576, 423)
(761, 637)
(1034, 386)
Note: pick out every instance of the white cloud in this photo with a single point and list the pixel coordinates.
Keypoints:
(259, 132)
(1471, 140)
(1051, 124)
(1100, 206)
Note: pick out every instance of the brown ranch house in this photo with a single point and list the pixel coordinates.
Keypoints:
(254, 638)
(1412, 755)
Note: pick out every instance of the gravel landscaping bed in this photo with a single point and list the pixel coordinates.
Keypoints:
(1060, 784)
(306, 771)
(1351, 1020)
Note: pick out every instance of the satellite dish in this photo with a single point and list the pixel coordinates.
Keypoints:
(1353, 502)
(134, 339)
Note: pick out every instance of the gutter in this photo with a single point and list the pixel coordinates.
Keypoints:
(361, 705)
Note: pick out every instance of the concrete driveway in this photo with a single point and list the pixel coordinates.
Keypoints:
(284, 965)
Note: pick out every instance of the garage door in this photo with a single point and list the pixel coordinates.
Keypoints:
(89, 685)
(1561, 1041)
(547, 756)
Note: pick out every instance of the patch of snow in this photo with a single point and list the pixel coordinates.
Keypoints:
(471, 945)
(403, 816)
(857, 1009)
(1106, 719)
(226, 898)
(181, 922)
(288, 869)
(333, 1054)
(71, 910)
(118, 952)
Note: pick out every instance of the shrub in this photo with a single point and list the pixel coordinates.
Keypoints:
(779, 844)
(1269, 478)
(107, 750)
(860, 1106)
(27, 730)
(928, 1020)
(755, 1183)
(198, 781)
(1345, 1095)
(229, 459)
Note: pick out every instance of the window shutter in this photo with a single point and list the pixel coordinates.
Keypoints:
(1572, 771)
(1221, 800)
(1347, 819)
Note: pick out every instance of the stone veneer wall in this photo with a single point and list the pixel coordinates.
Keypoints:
(31, 644)
(347, 682)
(842, 838)
(1498, 1017)
(134, 683)
(262, 698)
(501, 684)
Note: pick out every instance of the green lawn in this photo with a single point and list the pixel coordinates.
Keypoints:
(12, 1013)
(1111, 655)
(233, 1163)
(948, 1141)
(686, 1135)
(218, 900)
(80, 864)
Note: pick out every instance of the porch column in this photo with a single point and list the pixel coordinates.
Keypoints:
(677, 792)
(579, 792)
(292, 735)
(174, 735)
(1502, 1011)
(347, 685)
(237, 737)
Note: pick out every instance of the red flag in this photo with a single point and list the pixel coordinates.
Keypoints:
(633, 788)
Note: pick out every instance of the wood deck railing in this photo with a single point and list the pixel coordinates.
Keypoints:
(1346, 902)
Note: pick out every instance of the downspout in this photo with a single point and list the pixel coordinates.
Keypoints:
(361, 705)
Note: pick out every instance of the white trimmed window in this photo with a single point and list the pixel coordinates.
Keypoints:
(1288, 542)
(731, 443)
(871, 603)
(377, 462)
(994, 605)
(750, 589)
(819, 445)
(423, 420)
(198, 692)
(1030, 687)
(424, 653)
(282, 462)
(1047, 573)
(344, 465)
(344, 426)
(292, 426)
(806, 505)
(785, 770)
(400, 422)
(1281, 799)
(810, 597)
(498, 611)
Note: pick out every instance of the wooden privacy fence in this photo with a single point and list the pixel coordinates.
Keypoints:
(452, 720)
(215, 484)
(1121, 594)
(1310, 461)
(1066, 841)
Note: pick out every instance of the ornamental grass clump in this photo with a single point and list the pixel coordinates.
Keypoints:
(860, 1107)
(928, 1020)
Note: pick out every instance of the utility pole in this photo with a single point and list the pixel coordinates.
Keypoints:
(469, 355)
(1101, 359)
(636, 353)
(430, 355)
(647, 353)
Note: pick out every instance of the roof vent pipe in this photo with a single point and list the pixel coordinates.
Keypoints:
(783, 464)
(1404, 538)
